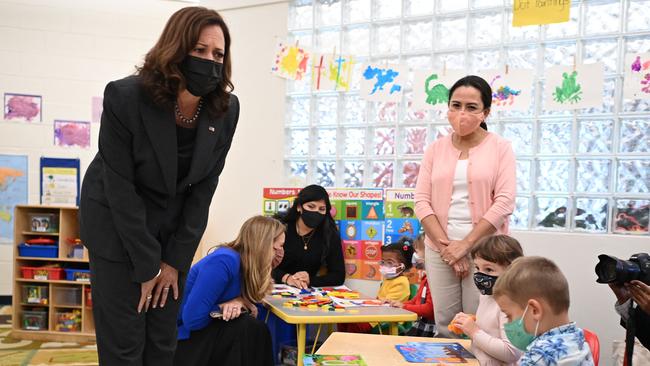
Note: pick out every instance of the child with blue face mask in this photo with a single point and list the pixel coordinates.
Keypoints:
(534, 295)
(492, 255)
(396, 259)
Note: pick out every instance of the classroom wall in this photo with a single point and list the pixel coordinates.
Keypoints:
(68, 50)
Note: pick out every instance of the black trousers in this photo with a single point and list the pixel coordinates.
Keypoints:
(244, 341)
(124, 336)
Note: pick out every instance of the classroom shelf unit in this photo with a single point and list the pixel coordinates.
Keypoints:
(51, 287)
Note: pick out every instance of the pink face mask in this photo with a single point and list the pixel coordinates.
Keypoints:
(464, 123)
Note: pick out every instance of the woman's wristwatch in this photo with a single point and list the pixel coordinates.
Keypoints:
(285, 278)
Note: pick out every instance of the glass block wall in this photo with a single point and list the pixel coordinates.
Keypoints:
(584, 170)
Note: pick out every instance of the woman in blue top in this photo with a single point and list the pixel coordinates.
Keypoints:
(214, 327)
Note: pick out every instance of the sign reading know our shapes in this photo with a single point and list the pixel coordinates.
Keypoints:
(637, 76)
(576, 87)
(511, 90)
(383, 83)
(431, 88)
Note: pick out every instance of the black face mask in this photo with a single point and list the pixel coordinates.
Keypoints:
(201, 76)
(312, 218)
(484, 282)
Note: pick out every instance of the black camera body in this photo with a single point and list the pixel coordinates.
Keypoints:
(613, 270)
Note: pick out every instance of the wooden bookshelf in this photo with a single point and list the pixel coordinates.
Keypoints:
(64, 297)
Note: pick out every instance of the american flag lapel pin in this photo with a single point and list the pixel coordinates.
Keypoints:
(211, 129)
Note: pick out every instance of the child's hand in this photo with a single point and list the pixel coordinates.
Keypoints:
(464, 323)
(395, 303)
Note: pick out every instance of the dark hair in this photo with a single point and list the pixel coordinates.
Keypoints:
(160, 73)
(312, 193)
(499, 249)
(403, 247)
(479, 84)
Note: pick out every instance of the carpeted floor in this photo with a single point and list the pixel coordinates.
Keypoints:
(15, 352)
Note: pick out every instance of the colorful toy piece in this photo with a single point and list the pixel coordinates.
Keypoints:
(454, 329)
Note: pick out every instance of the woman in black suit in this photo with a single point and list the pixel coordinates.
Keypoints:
(164, 137)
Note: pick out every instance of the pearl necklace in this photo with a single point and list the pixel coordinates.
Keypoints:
(183, 119)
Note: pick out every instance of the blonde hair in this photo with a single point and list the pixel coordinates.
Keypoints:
(534, 278)
(254, 243)
(499, 249)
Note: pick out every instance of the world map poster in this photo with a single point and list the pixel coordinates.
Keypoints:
(13, 191)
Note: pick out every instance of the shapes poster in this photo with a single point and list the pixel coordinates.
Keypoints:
(431, 88)
(13, 191)
(576, 87)
(72, 134)
(511, 90)
(332, 72)
(637, 76)
(278, 200)
(23, 107)
(290, 61)
(359, 214)
(383, 83)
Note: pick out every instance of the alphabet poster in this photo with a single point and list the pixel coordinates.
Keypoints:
(431, 88)
(290, 62)
(637, 76)
(383, 83)
(511, 90)
(332, 72)
(569, 87)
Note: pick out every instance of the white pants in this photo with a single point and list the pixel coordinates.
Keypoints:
(449, 293)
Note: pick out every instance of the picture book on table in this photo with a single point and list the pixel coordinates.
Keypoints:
(317, 360)
(428, 352)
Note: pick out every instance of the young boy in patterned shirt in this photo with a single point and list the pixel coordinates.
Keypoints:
(534, 295)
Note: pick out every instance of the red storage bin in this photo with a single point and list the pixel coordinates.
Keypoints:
(42, 273)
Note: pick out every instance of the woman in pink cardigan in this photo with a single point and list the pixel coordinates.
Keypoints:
(465, 191)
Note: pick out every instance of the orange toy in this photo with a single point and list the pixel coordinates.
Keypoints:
(454, 329)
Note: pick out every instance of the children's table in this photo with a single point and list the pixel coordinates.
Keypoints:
(378, 349)
(301, 317)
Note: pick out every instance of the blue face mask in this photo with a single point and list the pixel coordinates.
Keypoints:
(517, 334)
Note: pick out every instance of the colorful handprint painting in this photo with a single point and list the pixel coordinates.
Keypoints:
(290, 61)
(431, 88)
(637, 76)
(511, 89)
(382, 83)
(332, 72)
(576, 87)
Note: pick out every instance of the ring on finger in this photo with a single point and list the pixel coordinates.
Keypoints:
(165, 288)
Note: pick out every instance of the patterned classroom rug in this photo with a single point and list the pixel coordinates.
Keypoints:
(16, 352)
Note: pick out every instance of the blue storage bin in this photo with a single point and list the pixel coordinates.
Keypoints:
(81, 275)
(42, 251)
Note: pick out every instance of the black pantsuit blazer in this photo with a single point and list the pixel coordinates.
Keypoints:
(133, 208)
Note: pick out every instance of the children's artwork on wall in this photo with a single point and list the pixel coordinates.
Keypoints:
(332, 71)
(22, 107)
(382, 83)
(13, 191)
(511, 89)
(431, 88)
(576, 87)
(291, 61)
(97, 104)
(637, 76)
(72, 133)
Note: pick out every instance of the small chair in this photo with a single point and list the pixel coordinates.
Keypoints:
(594, 344)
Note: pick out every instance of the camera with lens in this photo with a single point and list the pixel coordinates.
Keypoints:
(613, 270)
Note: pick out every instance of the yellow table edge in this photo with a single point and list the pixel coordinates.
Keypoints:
(336, 318)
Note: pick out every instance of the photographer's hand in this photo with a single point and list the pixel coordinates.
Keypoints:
(621, 292)
(640, 294)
